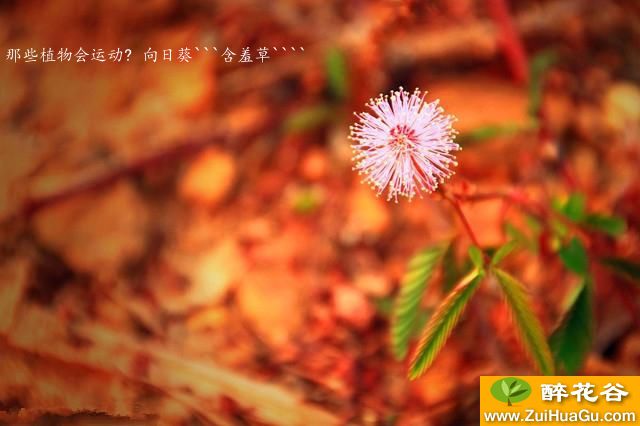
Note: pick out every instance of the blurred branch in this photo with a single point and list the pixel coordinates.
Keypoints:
(178, 151)
(509, 39)
(526, 204)
(481, 40)
(194, 382)
(181, 150)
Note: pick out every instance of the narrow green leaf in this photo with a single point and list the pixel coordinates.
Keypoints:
(520, 392)
(537, 70)
(484, 133)
(336, 67)
(441, 323)
(452, 271)
(308, 118)
(521, 238)
(504, 251)
(419, 270)
(574, 208)
(513, 388)
(476, 257)
(530, 329)
(450, 268)
(505, 388)
(610, 225)
(574, 257)
(572, 340)
(624, 268)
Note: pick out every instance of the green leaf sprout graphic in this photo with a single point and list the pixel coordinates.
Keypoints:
(510, 390)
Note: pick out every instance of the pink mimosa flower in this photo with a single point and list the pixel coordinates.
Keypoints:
(405, 146)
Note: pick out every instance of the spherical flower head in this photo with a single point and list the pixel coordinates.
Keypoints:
(405, 146)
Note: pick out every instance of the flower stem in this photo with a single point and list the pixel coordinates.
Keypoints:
(456, 206)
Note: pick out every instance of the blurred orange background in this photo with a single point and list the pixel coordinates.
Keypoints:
(186, 242)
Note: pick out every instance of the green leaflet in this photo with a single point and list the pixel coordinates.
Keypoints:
(538, 67)
(575, 210)
(450, 268)
(624, 268)
(476, 256)
(504, 251)
(337, 73)
(484, 133)
(522, 239)
(574, 257)
(308, 118)
(505, 387)
(572, 339)
(414, 283)
(441, 323)
(610, 225)
(530, 329)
